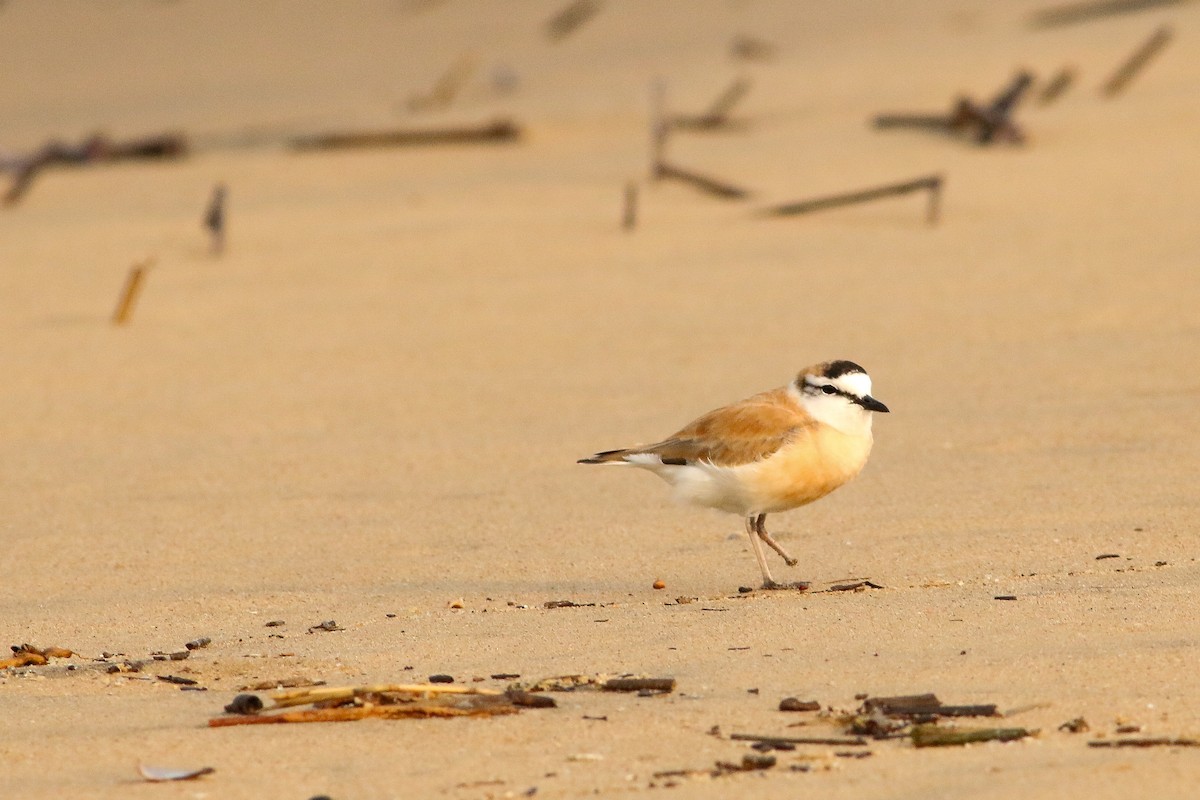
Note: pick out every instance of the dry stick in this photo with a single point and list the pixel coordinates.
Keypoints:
(1080, 12)
(214, 219)
(639, 685)
(629, 214)
(658, 125)
(717, 114)
(932, 183)
(833, 741)
(1056, 86)
(447, 86)
(1154, 742)
(571, 18)
(498, 131)
(129, 293)
(713, 186)
(1136, 62)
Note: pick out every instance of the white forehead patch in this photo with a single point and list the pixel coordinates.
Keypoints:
(856, 383)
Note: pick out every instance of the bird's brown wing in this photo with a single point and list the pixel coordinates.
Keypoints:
(737, 434)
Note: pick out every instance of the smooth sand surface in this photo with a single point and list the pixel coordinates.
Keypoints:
(370, 406)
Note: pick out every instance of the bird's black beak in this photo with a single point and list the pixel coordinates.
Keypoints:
(871, 404)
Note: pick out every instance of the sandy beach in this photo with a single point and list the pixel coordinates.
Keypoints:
(367, 409)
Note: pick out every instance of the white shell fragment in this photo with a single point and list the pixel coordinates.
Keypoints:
(156, 774)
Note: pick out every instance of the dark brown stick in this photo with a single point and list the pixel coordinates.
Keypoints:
(922, 701)
(499, 131)
(1146, 742)
(718, 113)
(129, 293)
(1081, 12)
(571, 18)
(931, 183)
(639, 685)
(629, 212)
(1056, 86)
(214, 219)
(832, 741)
(1136, 62)
(715, 187)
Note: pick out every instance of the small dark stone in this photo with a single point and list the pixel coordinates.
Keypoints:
(275, 623)
(745, 589)
(244, 704)
(796, 704)
(196, 644)
(439, 678)
(180, 655)
(1005, 597)
(754, 761)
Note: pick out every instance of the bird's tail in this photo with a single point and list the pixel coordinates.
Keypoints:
(607, 457)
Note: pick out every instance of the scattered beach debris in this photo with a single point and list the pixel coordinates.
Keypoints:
(1091, 9)
(284, 683)
(985, 124)
(609, 683)
(924, 707)
(571, 18)
(26, 655)
(327, 625)
(1056, 86)
(1137, 61)
(934, 736)
(855, 586)
(95, 149)
(160, 774)
(447, 86)
(386, 701)
(495, 132)
(566, 604)
(130, 291)
(929, 183)
(214, 219)
(796, 704)
(717, 115)
(1077, 725)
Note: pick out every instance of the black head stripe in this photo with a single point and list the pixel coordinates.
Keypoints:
(836, 369)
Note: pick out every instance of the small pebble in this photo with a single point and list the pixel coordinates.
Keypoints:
(796, 704)
(275, 623)
(245, 704)
(196, 644)
(659, 584)
(440, 678)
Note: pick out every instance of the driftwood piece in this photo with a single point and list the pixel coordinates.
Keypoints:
(832, 741)
(933, 736)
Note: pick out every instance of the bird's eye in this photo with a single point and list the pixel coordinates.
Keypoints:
(827, 389)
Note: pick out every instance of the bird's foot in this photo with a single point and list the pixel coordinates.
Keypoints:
(799, 586)
(791, 562)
